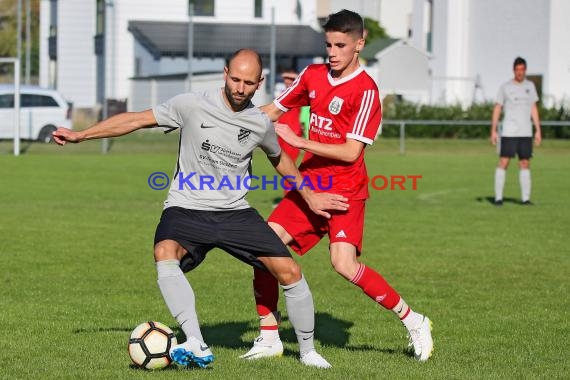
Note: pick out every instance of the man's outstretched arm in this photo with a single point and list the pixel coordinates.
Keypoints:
(114, 126)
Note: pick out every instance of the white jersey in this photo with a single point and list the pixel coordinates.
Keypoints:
(517, 99)
(216, 146)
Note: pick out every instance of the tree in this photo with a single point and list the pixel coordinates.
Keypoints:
(8, 32)
(374, 30)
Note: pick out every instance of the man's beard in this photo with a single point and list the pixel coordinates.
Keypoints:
(235, 105)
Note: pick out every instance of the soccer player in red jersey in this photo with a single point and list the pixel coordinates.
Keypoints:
(291, 118)
(345, 117)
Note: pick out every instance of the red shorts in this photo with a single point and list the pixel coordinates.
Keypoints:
(308, 228)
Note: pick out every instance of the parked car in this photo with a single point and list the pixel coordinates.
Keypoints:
(41, 111)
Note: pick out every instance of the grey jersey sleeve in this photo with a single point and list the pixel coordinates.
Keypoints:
(534, 94)
(170, 112)
(269, 144)
(501, 95)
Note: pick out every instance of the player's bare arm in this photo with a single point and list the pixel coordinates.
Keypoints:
(272, 111)
(347, 152)
(536, 121)
(114, 126)
(318, 202)
(494, 122)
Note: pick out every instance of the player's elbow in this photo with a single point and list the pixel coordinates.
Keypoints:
(351, 157)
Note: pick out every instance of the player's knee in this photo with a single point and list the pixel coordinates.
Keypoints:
(291, 274)
(345, 268)
(167, 250)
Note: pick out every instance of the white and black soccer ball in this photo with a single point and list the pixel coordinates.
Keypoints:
(149, 345)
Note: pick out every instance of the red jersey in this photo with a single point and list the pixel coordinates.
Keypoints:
(293, 120)
(348, 108)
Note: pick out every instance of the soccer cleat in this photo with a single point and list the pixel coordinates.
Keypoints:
(314, 359)
(498, 202)
(527, 203)
(192, 351)
(262, 349)
(421, 340)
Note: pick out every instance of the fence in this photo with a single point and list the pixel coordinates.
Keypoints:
(403, 123)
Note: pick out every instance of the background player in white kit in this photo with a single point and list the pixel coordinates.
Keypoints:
(195, 221)
(518, 96)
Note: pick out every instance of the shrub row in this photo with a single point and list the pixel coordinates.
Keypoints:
(402, 110)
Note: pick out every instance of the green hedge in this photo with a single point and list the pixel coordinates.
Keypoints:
(401, 110)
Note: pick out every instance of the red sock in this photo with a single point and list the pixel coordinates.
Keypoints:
(266, 291)
(375, 287)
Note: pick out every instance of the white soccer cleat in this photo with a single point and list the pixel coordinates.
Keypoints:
(421, 340)
(262, 349)
(314, 359)
(192, 351)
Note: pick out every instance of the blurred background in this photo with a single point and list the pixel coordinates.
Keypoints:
(432, 59)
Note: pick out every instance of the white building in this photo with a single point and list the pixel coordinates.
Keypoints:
(399, 68)
(393, 15)
(473, 44)
(71, 31)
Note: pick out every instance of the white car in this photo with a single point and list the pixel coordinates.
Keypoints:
(42, 111)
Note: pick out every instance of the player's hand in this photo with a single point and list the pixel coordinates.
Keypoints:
(288, 135)
(494, 138)
(319, 202)
(537, 138)
(64, 135)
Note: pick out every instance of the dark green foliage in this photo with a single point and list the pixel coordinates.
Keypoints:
(402, 110)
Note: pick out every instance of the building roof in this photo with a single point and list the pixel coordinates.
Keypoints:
(170, 39)
(370, 50)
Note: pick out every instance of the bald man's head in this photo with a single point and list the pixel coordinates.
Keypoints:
(242, 76)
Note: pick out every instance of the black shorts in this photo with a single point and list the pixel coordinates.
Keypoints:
(242, 233)
(521, 146)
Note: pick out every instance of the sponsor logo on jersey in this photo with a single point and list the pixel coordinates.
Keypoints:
(243, 136)
(204, 125)
(312, 94)
(219, 150)
(335, 105)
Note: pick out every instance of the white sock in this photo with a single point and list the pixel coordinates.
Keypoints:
(499, 183)
(524, 180)
(401, 309)
(178, 296)
(301, 312)
(269, 336)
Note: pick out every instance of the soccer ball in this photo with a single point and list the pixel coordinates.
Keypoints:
(149, 345)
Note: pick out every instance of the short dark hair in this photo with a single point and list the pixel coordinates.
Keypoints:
(519, 61)
(345, 21)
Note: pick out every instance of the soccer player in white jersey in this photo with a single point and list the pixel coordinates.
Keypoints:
(345, 117)
(518, 97)
(219, 129)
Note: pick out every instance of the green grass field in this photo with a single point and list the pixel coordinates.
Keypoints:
(76, 233)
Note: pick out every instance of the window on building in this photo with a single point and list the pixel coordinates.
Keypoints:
(100, 17)
(258, 8)
(203, 7)
(100, 28)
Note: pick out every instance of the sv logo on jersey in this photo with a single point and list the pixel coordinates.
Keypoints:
(210, 147)
(335, 105)
(243, 136)
(320, 122)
